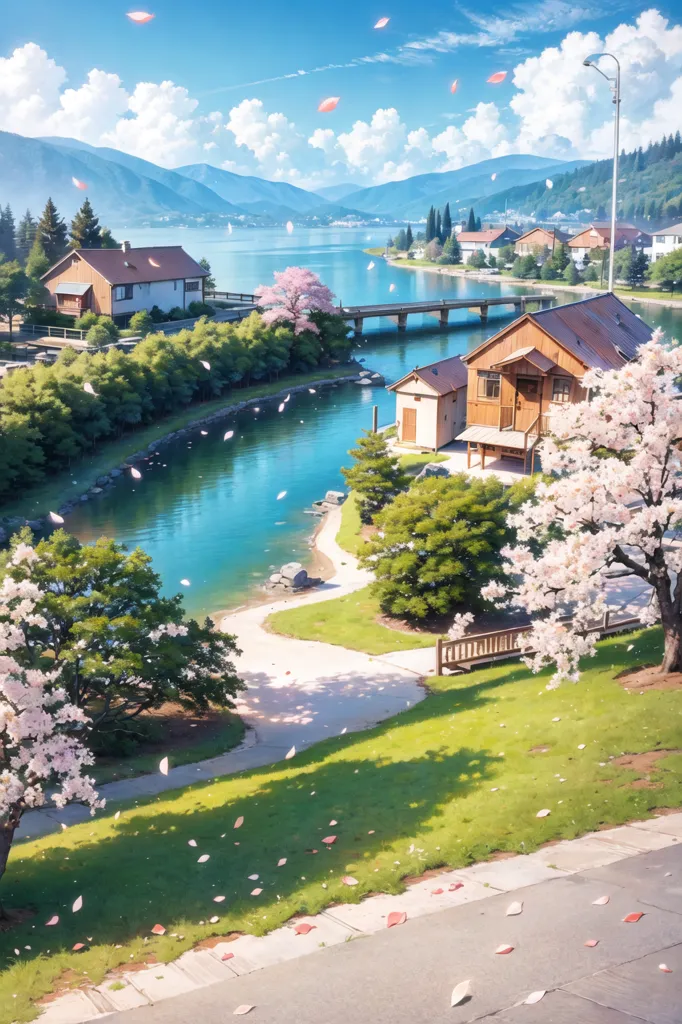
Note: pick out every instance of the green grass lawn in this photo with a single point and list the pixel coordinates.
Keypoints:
(424, 777)
(57, 489)
(348, 536)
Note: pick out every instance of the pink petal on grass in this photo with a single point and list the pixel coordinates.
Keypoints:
(504, 949)
(158, 929)
(396, 917)
(78, 947)
(253, 878)
(241, 1010)
(543, 813)
(281, 862)
(191, 842)
(601, 902)
(534, 997)
(591, 943)
(498, 77)
(77, 904)
(454, 886)
(513, 909)
(135, 473)
(163, 766)
(214, 919)
(218, 899)
(53, 920)
(632, 918)
(349, 880)
(140, 17)
(329, 840)
(239, 822)
(256, 892)
(460, 993)
(326, 106)
(303, 928)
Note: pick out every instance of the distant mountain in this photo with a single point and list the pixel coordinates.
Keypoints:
(254, 194)
(335, 193)
(410, 199)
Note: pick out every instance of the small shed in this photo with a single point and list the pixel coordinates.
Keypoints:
(431, 404)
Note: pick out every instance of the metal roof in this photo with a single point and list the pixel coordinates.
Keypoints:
(444, 376)
(532, 355)
(559, 235)
(72, 288)
(674, 229)
(503, 438)
(488, 235)
(139, 266)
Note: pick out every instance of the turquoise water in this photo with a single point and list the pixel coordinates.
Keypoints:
(207, 509)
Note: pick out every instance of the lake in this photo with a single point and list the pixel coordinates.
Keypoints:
(207, 510)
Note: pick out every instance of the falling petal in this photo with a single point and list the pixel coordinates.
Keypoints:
(185, 582)
(281, 862)
(504, 949)
(591, 943)
(280, 407)
(632, 918)
(153, 263)
(283, 494)
(204, 433)
(229, 228)
(534, 997)
(513, 909)
(204, 857)
(326, 106)
(332, 823)
(382, 23)
(665, 968)
(371, 265)
(498, 77)
(396, 917)
(78, 946)
(53, 920)
(79, 184)
(460, 993)
(312, 391)
(135, 473)
(191, 842)
(329, 840)
(493, 176)
(601, 902)
(56, 518)
(581, 746)
(241, 1010)
(256, 892)
(158, 929)
(228, 435)
(453, 87)
(582, 188)
(205, 363)
(140, 17)
(349, 880)
(163, 766)
(304, 928)
(253, 878)
(77, 904)
(239, 822)
(549, 183)
(290, 228)
(543, 813)
(87, 386)
(391, 287)
(117, 815)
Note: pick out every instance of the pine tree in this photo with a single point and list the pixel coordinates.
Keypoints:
(376, 476)
(430, 231)
(439, 227)
(37, 264)
(478, 224)
(25, 235)
(51, 230)
(409, 237)
(561, 257)
(107, 240)
(85, 229)
(452, 252)
(471, 223)
(570, 274)
(7, 242)
(447, 223)
(639, 265)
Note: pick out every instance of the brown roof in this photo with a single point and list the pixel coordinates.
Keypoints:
(117, 266)
(602, 332)
(531, 354)
(560, 236)
(444, 376)
(489, 235)
(624, 233)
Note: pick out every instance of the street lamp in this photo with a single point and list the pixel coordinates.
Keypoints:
(614, 85)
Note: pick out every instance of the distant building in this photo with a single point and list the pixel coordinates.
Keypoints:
(120, 282)
(538, 239)
(666, 241)
(598, 238)
(431, 403)
(487, 241)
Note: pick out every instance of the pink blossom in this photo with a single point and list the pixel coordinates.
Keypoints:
(295, 293)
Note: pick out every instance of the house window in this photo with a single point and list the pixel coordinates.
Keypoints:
(561, 390)
(488, 384)
(660, 238)
(191, 286)
(417, 398)
(123, 292)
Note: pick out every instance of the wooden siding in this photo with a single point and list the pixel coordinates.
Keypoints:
(588, 240)
(536, 239)
(76, 269)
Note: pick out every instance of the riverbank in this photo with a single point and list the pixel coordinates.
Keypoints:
(66, 488)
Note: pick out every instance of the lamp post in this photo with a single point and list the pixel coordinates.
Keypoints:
(614, 85)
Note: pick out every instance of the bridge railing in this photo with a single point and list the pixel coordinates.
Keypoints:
(232, 296)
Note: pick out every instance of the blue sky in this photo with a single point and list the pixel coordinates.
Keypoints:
(195, 83)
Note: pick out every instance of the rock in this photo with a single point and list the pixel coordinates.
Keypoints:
(365, 373)
(335, 497)
(83, 497)
(35, 524)
(364, 380)
(276, 577)
(4, 535)
(95, 490)
(116, 472)
(294, 573)
(433, 469)
(102, 481)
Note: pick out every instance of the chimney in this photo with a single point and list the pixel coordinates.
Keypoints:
(125, 246)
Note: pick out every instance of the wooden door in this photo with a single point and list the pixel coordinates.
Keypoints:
(409, 425)
(528, 395)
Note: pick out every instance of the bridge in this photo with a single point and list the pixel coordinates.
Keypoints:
(438, 308)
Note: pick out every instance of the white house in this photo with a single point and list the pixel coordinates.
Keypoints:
(119, 282)
(431, 403)
(487, 241)
(665, 241)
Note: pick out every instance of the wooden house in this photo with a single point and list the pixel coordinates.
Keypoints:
(431, 404)
(536, 364)
(120, 282)
(597, 239)
(538, 239)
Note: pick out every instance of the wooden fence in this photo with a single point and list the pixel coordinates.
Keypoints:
(509, 643)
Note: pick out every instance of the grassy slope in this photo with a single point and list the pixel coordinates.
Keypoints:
(57, 489)
(424, 777)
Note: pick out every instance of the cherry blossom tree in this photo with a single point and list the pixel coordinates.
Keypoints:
(296, 293)
(41, 732)
(615, 499)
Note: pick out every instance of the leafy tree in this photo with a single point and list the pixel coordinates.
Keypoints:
(86, 320)
(447, 223)
(409, 237)
(492, 262)
(107, 241)
(25, 235)
(477, 259)
(590, 273)
(570, 274)
(506, 254)
(104, 332)
(667, 270)
(85, 230)
(638, 268)
(294, 295)
(334, 336)
(51, 230)
(209, 282)
(269, 347)
(376, 476)
(561, 257)
(141, 323)
(471, 222)
(400, 241)
(439, 543)
(452, 252)
(548, 271)
(122, 648)
(13, 286)
(433, 250)
(8, 247)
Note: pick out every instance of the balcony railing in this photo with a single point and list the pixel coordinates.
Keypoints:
(506, 417)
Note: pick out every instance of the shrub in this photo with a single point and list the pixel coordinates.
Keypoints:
(158, 315)
(376, 476)
(177, 313)
(86, 321)
(200, 309)
(141, 323)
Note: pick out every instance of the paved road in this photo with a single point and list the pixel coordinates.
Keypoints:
(406, 974)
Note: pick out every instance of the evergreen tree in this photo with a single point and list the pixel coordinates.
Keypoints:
(452, 252)
(107, 240)
(409, 237)
(13, 284)
(570, 274)
(209, 282)
(548, 271)
(478, 224)
(561, 257)
(85, 229)
(471, 223)
(639, 267)
(37, 264)
(477, 258)
(439, 227)
(7, 242)
(51, 230)
(400, 240)
(25, 235)
(430, 231)
(376, 476)
(447, 223)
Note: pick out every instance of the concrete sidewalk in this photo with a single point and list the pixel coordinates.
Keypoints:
(351, 967)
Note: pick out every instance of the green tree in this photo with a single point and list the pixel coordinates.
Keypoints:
(478, 223)
(8, 247)
(638, 268)
(376, 477)
(51, 230)
(447, 223)
(506, 254)
(13, 286)
(122, 647)
(409, 237)
(570, 274)
(471, 222)
(85, 230)
(86, 320)
(400, 241)
(334, 336)
(430, 231)
(477, 259)
(37, 264)
(104, 332)
(439, 543)
(141, 323)
(107, 240)
(667, 270)
(548, 271)
(561, 257)
(451, 253)
(25, 235)
(439, 227)
(209, 282)
(433, 250)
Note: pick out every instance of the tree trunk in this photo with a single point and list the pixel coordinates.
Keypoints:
(671, 620)
(6, 837)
